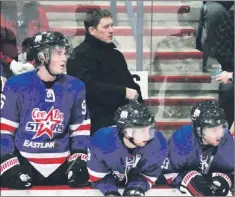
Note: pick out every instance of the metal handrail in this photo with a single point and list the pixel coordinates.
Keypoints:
(136, 22)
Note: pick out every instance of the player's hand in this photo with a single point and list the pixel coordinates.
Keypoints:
(221, 183)
(224, 77)
(112, 193)
(131, 94)
(133, 192)
(13, 175)
(77, 172)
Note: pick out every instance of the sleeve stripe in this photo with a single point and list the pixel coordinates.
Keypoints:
(6, 127)
(96, 176)
(6, 132)
(85, 132)
(9, 122)
(83, 127)
(74, 127)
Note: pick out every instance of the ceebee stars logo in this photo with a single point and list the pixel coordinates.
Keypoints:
(46, 123)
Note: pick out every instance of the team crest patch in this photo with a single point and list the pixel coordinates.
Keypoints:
(46, 123)
(50, 95)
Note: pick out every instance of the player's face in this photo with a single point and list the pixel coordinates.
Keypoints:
(104, 30)
(141, 135)
(59, 59)
(213, 135)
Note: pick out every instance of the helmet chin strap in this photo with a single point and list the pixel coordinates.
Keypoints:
(131, 140)
(47, 67)
(46, 64)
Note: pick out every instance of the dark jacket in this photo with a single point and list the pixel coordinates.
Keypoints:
(105, 73)
(224, 42)
(226, 4)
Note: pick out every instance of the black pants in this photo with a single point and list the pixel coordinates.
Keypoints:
(226, 100)
(98, 122)
(211, 16)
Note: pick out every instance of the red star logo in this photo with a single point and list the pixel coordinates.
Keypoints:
(46, 124)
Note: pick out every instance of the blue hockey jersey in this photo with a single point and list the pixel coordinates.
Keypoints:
(44, 125)
(109, 160)
(186, 153)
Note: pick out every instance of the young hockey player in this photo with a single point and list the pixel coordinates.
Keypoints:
(131, 152)
(45, 128)
(201, 157)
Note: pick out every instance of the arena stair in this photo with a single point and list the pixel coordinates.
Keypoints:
(170, 56)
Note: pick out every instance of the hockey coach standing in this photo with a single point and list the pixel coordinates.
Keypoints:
(103, 69)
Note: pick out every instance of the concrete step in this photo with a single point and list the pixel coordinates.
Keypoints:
(164, 7)
(165, 54)
(119, 2)
(174, 107)
(169, 126)
(183, 40)
(185, 84)
(78, 18)
(177, 66)
(176, 100)
(166, 60)
(203, 78)
(164, 37)
(127, 31)
(155, 22)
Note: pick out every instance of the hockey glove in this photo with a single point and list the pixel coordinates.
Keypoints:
(13, 175)
(221, 183)
(112, 193)
(133, 192)
(193, 184)
(77, 170)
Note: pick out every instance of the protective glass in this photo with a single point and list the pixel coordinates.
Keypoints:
(219, 130)
(141, 133)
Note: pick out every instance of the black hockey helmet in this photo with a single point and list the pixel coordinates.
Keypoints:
(44, 42)
(207, 114)
(134, 114)
(27, 47)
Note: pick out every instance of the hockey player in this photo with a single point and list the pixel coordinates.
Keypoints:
(45, 127)
(25, 62)
(131, 152)
(201, 157)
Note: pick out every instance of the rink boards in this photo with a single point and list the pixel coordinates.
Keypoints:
(66, 191)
